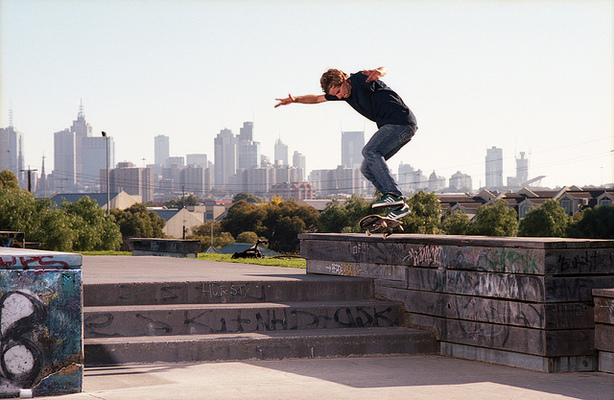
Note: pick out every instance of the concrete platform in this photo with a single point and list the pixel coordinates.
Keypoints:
(409, 377)
(412, 377)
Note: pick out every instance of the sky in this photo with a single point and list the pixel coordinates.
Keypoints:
(525, 76)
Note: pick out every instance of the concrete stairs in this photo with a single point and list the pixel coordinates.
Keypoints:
(215, 321)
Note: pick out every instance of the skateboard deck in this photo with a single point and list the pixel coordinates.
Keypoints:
(378, 224)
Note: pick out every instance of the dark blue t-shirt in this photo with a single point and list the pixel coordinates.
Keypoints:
(377, 102)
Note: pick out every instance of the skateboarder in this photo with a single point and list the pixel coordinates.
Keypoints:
(396, 124)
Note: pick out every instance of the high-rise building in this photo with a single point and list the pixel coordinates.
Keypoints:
(299, 161)
(11, 152)
(94, 150)
(64, 164)
(352, 143)
(406, 172)
(199, 160)
(281, 153)
(161, 149)
(193, 180)
(246, 133)
(494, 168)
(132, 180)
(225, 155)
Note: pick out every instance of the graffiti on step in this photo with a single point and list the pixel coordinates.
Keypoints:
(22, 318)
(25, 262)
(237, 321)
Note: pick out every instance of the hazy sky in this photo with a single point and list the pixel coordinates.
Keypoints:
(531, 76)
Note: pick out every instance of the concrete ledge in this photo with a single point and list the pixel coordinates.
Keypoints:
(604, 328)
(164, 247)
(530, 298)
(259, 346)
(528, 361)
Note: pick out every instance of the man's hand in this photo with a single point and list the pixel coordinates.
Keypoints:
(286, 101)
(374, 74)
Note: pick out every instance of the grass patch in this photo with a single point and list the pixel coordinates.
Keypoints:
(105, 253)
(286, 262)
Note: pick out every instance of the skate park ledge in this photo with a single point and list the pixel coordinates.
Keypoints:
(544, 304)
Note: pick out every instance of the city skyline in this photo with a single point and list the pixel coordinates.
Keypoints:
(532, 77)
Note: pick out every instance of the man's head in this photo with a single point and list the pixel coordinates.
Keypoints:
(334, 82)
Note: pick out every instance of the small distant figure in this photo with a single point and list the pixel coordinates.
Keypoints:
(373, 99)
(252, 252)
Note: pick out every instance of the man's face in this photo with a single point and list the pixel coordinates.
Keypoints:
(341, 91)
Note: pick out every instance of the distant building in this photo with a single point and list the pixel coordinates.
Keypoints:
(299, 161)
(132, 180)
(293, 190)
(352, 143)
(436, 183)
(460, 182)
(161, 149)
(199, 160)
(494, 168)
(11, 153)
(281, 153)
(405, 177)
(64, 163)
(225, 147)
(342, 180)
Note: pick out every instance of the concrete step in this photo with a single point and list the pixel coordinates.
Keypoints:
(190, 319)
(311, 288)
(259, 346)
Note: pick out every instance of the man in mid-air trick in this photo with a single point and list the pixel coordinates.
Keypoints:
(395, 122)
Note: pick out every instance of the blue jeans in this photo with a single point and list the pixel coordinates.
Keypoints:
(385, 143)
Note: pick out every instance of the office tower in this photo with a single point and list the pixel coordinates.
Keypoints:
(248, 153)
(193, 180)
(83, 135)
(352, 143)
(11, 152)
(281, 153)
(94, 152)
(404, 180)
(494, 168)
(225, 156)
(299, 161)
(522, 169)
(64, 165)
(247, 131)
(132, 180)
(199, 160)
(161, 149)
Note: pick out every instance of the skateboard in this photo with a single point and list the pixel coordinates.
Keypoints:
(378, 224)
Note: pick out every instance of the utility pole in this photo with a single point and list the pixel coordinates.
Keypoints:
(29, 171)
(106, 138)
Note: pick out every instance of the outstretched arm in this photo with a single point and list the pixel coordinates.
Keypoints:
(375, 74)
(307, 99)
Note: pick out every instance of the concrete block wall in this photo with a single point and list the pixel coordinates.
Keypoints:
(513, 301)
(41, 338)
(604, 328)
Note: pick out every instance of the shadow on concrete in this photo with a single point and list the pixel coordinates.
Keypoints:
(428, 371)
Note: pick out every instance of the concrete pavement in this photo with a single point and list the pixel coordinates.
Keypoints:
(404, 377)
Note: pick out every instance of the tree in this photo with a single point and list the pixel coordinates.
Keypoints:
(250, 198)
(137, 221)
(8, 180)
(94, 230)
(496, 219)
(425, 214)
(550, 220)
(594, 223)
(280, 222)
(338, 217)
(456, 223)
(247, 237)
